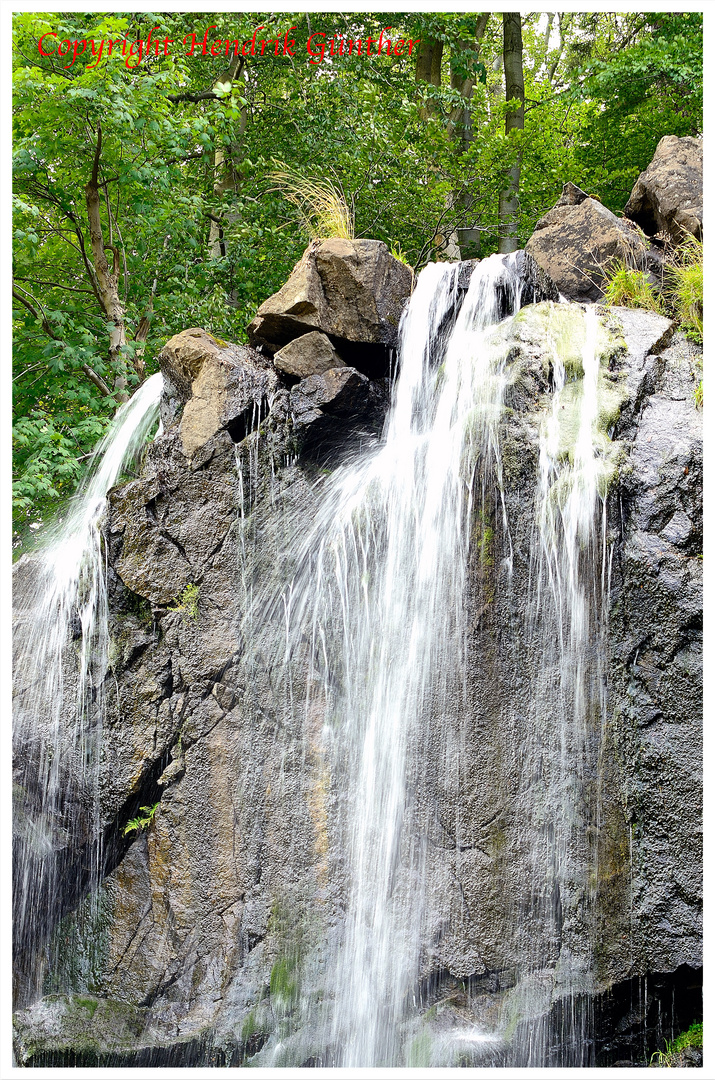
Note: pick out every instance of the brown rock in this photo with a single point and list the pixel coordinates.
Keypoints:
(183, 356)
(354, 290)
(668, 197)
(229, 387)
(575, 241)
(311, 354)
(209, 384)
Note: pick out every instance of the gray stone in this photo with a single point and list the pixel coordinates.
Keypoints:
(577, 241)
(243, 863)
(341, 392)
(667, 198)
(310, 354)
(353, 290)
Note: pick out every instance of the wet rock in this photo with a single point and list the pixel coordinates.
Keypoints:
(340, 392)
(327, 410)
(576, 240)
(183, 356)
(310, 354)
(536, 285)
(242, 869)
(212, 386)
(352, 290)
(230, 393)
(667, 197)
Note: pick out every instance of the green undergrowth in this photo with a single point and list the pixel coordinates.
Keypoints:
(684, 283)
(626, 287)
(668, 1058)
(682, 294)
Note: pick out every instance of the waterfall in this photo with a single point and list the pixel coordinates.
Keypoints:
(361, 637)
(379, 589)
(376, 603)
(60, 661)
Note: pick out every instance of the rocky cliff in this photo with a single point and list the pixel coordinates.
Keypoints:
(208, 935)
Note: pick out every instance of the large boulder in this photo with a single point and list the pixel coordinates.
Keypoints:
(668, 197)
(577, 240)
(352, 290)
(214, 386)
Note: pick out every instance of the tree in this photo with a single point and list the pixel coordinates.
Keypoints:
(143, 201)
(514, 82)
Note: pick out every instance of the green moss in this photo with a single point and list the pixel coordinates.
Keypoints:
(80, 1026)
(249, 1026)
(90, 1004)
(692, 1037)
(561, 325)
(668, 1058)
(219, 341)
(497, 839)
(419, 1051)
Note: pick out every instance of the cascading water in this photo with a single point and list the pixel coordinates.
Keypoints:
(360, 636)
(379, 591)
(380, 588)
(59, 696)
(569, 591)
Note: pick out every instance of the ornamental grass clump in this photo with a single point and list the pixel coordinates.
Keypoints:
(626, 287)
(323, 208)
(684, 280)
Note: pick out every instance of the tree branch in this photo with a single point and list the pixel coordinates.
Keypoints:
(41, 316)
(56, 285)
(205, 95)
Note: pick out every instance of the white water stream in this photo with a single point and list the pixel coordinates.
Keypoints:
(57, 739)
(380, 590)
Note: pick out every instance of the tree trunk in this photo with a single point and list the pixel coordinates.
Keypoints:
(429, 69)
(225, 178)
(107, 280)
(514, 80)
(468, 240)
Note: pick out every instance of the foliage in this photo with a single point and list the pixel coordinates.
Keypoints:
(184, 146)
(626, 287)
(322, 207)
(142, 821)
(667, 1059)
(188, 603)
(685, 286)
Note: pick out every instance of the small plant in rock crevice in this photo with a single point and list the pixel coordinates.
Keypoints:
(188, 603)
(142, 821)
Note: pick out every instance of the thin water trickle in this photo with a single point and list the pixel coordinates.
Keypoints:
(60, 663)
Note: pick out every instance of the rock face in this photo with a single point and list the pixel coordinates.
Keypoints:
(213, 916)
(668, 197)
(352, 290)
(578, 238)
